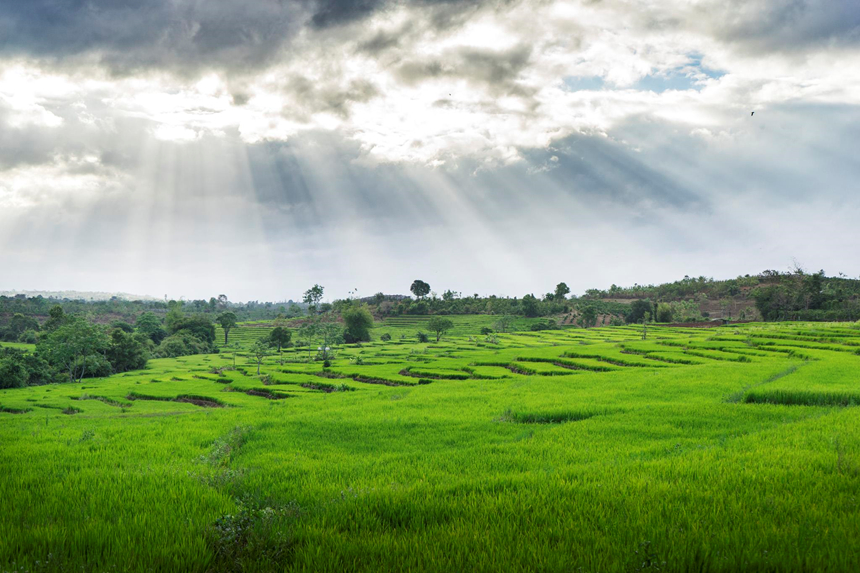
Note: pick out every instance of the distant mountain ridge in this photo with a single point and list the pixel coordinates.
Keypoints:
(78, 295)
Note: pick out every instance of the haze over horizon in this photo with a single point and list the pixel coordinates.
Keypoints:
(497, 147)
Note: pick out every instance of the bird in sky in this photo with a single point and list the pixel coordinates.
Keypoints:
(752, 113)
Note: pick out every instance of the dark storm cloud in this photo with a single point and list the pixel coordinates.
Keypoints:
(182, 35)
(443, 14)
(789, 25)
(130, 34)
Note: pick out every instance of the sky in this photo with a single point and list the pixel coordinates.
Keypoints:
(190, 148)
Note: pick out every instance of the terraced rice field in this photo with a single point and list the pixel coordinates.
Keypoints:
(724, 449)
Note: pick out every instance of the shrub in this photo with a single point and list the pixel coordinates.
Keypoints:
(385, 337)
(422, 336)
(12, 372)
(486, 330)
(28, 337)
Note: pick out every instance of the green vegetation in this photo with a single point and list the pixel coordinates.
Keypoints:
(719, 449)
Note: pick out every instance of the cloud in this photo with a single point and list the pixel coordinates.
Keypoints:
(331, 137)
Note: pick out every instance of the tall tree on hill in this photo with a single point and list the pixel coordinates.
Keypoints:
(419, 288)
(313, 296)
(530, 305)
(561, 291)
(227, 320)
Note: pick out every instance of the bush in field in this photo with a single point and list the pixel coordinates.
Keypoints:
(385, 337)
(440, 326)
(486, 330)
(504, 324)
(422, 336)
(358, 322)
(638, 310)
(196, 325)
(543, 325)
(182, 343)
(126, 351)
(76, 349)
(664, 312)
(13, 374)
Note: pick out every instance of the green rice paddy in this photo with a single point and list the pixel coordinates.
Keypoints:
(722, 449)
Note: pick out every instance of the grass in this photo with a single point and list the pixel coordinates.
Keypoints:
(567, 450)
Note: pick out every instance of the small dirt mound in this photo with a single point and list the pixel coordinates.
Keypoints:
(266, 394)
(382, 381)
(201, 401)
(329, 374)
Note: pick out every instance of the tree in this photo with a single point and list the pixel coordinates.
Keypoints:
(307, 334)
(358, 322)
(150, 326)
(280, 337)
(56, 318)
(20, 323)
(665, 312)
(126, 352)
(530, 305)
(227, 320)
(440, 325)
(588, 316)
(504, 324)
(419, 288)
(313, 296)
(638, 309)
(13, 374)
(70, 346)
(198, 325)
(259, 351)
(561, 291)
(328, 334)
(450, 295)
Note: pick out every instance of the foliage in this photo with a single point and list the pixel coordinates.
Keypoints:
(227, 320)
(13, 374)
(530, 306)
(126, 351)
(183, 343)
(358, 321)
(150, 326)
(260, 351)
(313, 296)
(639, 309)
(588, 316)
(280, 337)
(419, 288)
(440, 326)
(74, 347)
